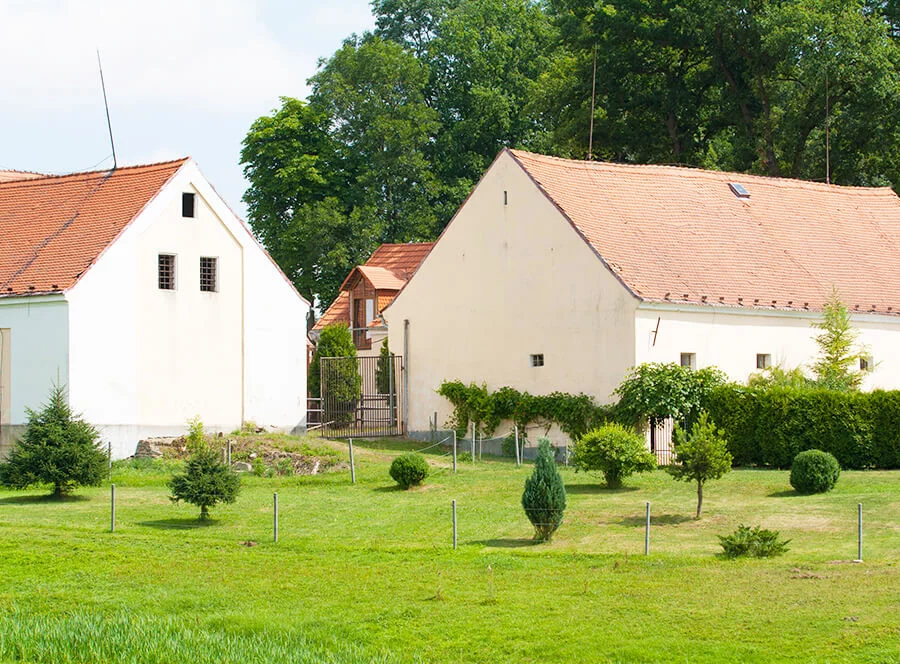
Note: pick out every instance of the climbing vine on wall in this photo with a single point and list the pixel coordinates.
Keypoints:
(574, 414)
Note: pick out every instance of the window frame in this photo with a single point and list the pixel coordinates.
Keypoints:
(215, 274)
(172, 277)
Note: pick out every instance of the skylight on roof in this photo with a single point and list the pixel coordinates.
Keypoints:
(739, 190)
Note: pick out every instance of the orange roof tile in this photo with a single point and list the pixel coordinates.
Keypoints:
(681, 234)
(9, 176)
(388, 268)
(52, 228)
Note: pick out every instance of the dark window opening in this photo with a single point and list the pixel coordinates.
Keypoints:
(166, 272)
(537, 360)
(208, 274)
(187, 205)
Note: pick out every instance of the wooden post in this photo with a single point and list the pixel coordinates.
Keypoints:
(275, 523)
(454, 525)
(229, 452)
(859, 557)
(647, 533)
(352, 465)
(454, 451)
(518, 454)
(112, 508)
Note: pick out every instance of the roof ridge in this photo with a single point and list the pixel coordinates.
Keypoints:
(54, 177)
(696, 171)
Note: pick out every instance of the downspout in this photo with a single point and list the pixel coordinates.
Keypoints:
(406, 376)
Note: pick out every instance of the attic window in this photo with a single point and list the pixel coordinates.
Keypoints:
(187, 204)
(739, 190)
(537, 360)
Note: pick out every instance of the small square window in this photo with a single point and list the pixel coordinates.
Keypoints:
(866, 364)
(537, 360)
(208, 274)
(763, 360)
(187, 204)
(689, 360)
(166, 272)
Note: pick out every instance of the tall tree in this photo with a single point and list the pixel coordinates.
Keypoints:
(834, 366)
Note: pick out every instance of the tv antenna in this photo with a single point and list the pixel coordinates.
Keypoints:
(827, 133)
(106, 105)
(593, 94)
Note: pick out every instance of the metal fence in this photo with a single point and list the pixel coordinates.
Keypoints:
(361, 396)
(659, 440)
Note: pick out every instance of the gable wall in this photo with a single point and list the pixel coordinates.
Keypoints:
(505, 282)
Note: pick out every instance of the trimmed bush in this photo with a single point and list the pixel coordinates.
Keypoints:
(814, 471)
(409, 469)
(544, 498)
(753, 542)
(615, 451)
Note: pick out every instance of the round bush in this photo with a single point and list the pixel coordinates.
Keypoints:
(409, 469)
(814, 471)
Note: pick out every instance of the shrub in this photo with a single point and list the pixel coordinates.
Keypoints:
(814, 471)
(753, 542)
(57, 448)
(206, 482)
(544, 498)
(700, 456)
(409, 469)
(615, 451)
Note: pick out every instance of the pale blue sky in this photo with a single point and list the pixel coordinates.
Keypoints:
(183, 77)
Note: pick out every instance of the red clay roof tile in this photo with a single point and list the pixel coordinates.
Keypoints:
(681, 234)
(52, 228)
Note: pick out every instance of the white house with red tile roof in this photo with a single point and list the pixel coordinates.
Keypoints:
(561, 275)
(143, 293)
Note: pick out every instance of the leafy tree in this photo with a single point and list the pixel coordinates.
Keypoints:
(837, 355)
(335, 340)
(700, 456)
(544, 498)
(779, 377)
(205, 482)
(615, 451)
(57, 448)
(655, 392)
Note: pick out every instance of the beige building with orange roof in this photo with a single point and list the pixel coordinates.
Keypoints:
(561, 275)
(142, 292)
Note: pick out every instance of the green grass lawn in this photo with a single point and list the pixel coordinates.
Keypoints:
(366, 572)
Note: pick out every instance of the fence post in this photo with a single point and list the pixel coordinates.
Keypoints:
(229, 452)
(518, 455)
(352, 465)
(859, 557)
(454, 525)
(473, 441)
(647, 533)
(109, 460)
(112, 508)
(275, 521)
(454, 451)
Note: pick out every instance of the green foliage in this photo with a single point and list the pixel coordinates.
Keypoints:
(205, 482)
(196, 437)
(655, 391)
(700, 456)
(409, 469)
(573, 414)
(57, 448)
(544, 498)
(814, 471)
(753, 543)
(837, 356)
(342, 386)
(384, 371)
(615, 451)
(771, 426)
(779, 377)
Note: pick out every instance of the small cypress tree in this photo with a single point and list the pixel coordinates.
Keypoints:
(206, 480)
(544, 498)
(57, 448)
(700, 456)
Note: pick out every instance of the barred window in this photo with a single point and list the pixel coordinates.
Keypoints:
(208, 274)
(537, 360)
(166, 272)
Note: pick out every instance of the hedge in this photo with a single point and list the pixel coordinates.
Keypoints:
(769, 427)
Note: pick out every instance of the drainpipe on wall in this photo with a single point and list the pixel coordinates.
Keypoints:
(406, 376)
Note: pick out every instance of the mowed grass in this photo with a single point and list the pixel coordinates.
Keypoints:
(366, 572)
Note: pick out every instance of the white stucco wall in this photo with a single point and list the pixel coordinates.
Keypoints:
(505, 282)
(731, 338)
(36, 332)
(145, 360)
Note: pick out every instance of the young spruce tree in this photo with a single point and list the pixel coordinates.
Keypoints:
(57, 448)
(544, 498)
(206, 480)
